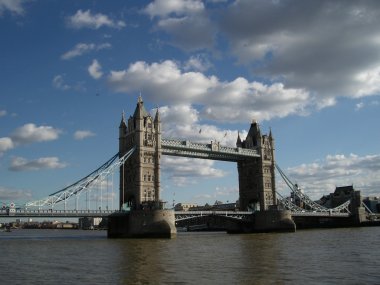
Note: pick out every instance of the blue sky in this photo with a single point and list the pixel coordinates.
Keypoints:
(308, 70)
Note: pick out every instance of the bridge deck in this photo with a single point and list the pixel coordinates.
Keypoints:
(206, 151)
(179, 214)
(19, 213)
(242, 214)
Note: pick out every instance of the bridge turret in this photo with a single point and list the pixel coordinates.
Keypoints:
(256, 176)
(157, 128)
(122, 135)
(157, 118)
(139, 115)
(254, 135)
(238, 141)
(141, 176)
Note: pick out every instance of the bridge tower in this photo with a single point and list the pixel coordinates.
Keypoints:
(257, 176)
(140, 175)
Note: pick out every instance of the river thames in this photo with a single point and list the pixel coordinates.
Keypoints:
(330, 256)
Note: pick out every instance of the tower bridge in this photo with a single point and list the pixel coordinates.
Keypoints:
(140, 175)
(140, 211)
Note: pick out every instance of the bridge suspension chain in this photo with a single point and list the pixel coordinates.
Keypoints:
(83, 184)
(305, 199)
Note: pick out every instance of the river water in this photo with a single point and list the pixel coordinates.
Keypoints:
(333, 256)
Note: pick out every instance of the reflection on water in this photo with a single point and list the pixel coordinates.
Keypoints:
(337, 256)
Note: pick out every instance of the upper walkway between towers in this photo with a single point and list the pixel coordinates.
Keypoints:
(211, 150)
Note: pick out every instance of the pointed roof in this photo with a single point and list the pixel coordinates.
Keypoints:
(238, 141)
(123, 122)
(254, 130)
(140, 111)
(157, 117)
(270, 134)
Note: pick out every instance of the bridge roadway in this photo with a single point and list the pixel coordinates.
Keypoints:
(179, 215)
(48, 213)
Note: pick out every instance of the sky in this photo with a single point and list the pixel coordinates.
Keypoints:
(308, 70)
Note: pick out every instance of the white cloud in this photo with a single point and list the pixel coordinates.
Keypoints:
(59, 83)
(162, 81)
(306, 45)
(182, 121)
(197, 63)
(359, 106)
(321, 177)
(95, 69)
(30, 133)
(164, 8)
(6, 144)
(3, 113)
(368, 82)
(235, 101)
(93, 21)
(83, 48)
(22, 164)
(183, 170)
(186, 22)
(14, 6)
(225, 191)
(83, 134)
(10, 194)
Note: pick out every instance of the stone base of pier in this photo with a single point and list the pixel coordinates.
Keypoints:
(274, 221)
(264, 221)
(142, 224)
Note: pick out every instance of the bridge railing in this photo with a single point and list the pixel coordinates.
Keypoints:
(319, 214)
(220, 213)
(213, 147)
(186, 215)
(55, 213)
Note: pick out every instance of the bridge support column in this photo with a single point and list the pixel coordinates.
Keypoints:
(142, 224)
(274, 221)
(359, 215)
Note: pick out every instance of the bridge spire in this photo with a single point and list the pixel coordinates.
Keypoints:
(238, 141)
(157, 117)
(122, 135)
(123, 121)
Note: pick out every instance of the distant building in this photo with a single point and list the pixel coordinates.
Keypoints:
(218, 206)
(344, 193)
(372, 203)
(66, 225)
(87, 223)
(184, 206)
(224, 207)
(341, 195)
